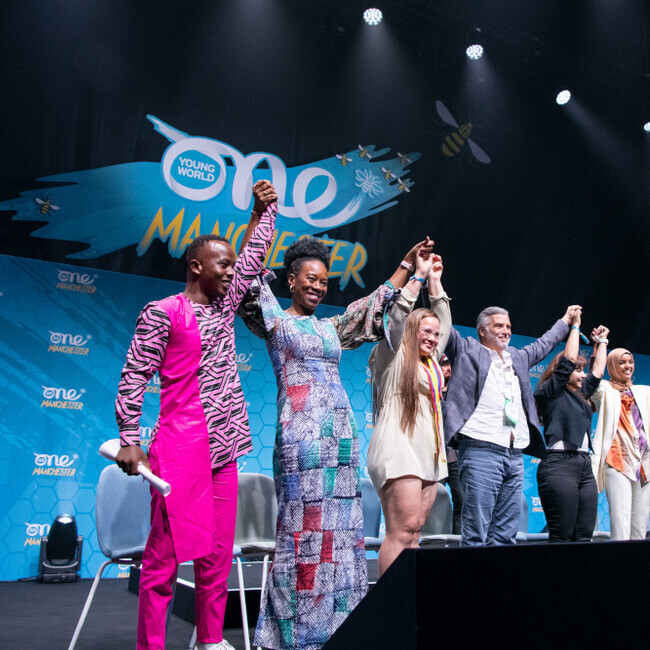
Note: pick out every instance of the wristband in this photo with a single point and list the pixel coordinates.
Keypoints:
(405, 265)
(605, 341)
(582, 336)
(415, 277)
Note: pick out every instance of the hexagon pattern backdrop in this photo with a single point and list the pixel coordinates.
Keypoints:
(64, 332)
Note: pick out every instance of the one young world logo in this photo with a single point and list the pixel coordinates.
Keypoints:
(202, 186)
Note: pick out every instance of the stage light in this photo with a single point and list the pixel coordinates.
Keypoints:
(646, 127)
(563, 97)
(60, 556)
(474, 52)
(373, 16)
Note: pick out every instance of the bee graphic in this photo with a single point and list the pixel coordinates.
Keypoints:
(403, 185)
(403, 160)
(452, 144)
(45, 205)
(368, 183)
(345, 161)
(363, 152)
(388, 174)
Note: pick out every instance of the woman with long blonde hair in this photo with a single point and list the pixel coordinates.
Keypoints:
(407, 451)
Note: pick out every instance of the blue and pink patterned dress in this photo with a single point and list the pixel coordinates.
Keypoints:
(319, 571)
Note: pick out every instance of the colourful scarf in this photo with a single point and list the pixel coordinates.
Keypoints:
(435, 384)
(629, 451)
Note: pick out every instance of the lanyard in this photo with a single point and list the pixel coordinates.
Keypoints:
(505, 378)
(507, 375)
(434, 385)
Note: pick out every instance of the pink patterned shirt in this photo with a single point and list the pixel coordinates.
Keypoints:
(220, 390)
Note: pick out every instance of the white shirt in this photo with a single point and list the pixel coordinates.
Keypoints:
(488, 422)
(565, 445)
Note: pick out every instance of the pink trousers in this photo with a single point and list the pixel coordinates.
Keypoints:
(159, 568)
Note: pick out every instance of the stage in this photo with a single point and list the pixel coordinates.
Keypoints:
(532, 596)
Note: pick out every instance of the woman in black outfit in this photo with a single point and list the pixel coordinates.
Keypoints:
(565, 480)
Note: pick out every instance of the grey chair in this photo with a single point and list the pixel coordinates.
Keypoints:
(523, 536)
(371, 505)
(257, 514)
(603, 535)
(122, 521)
(438, 526)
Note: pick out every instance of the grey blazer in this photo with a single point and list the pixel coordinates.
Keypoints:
(471, 361)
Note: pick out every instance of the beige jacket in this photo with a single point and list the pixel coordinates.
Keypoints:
(608, 404)
(381, 355)
(392, 453)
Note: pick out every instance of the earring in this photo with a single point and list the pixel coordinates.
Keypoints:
(291, 288)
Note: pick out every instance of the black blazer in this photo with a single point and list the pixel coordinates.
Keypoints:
(565, 415)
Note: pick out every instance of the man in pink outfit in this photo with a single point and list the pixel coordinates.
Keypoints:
(202, 428)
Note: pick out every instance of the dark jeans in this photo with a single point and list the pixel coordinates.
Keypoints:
(567, 489)
(492, 478)
(456, 494)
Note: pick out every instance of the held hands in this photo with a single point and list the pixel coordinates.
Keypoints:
(599, 334)
(573, 315)
(425, 245)
(128, 458)
(424, 262)
(436, 268)
(264, 194)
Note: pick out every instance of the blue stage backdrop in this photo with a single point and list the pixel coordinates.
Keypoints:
(64, 332)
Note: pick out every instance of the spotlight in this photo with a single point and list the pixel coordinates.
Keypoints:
(372, 16)
(474, 52)
(646, 127)
(60, 556)
(563, 97)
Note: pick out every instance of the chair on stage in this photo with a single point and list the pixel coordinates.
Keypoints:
(257, 513)
(122, 521)
(371, 505)
(604, 535)
(523, 536)
(436, 531)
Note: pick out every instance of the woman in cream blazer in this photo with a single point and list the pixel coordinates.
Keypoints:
(621, 459)
(405, 465)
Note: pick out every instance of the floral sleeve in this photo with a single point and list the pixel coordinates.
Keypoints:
(364, 320)
(260, 309)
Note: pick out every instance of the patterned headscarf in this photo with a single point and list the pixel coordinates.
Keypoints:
(617, 379)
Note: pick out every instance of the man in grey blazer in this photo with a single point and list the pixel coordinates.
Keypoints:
(491, 416)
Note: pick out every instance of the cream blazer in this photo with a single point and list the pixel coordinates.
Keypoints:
(608, 405)
(382, 356)
(392, 453)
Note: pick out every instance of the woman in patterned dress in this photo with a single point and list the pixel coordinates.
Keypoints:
(319, 570)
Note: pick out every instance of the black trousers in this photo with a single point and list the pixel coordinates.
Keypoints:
(567, 489)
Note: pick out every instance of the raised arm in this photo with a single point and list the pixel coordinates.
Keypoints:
(556, 383)
(451, 342)
(364, 319)
(402, 274)
(572, 346)
(439, 302)
(538, 349)
(264, 194)
(400, 311)
(250, 261)
(599, 336)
